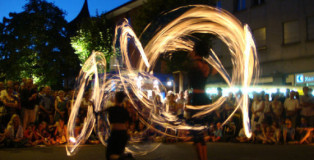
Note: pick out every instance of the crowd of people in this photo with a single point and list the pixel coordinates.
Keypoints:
(31, 116)
(275, 119)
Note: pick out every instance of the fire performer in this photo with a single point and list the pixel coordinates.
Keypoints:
(197, 75)
(119, 121)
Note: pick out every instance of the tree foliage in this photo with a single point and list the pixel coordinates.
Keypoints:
(34, 44)
(94, 35)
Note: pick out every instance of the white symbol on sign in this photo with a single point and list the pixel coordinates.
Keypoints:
(300, 78)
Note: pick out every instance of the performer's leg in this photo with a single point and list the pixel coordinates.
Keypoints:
(204, 150)
(199, 150)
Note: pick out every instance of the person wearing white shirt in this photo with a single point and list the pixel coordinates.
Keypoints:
(291, 106)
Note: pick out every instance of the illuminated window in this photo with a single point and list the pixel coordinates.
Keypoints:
(218, 4)
(240, 5)
(257, 2)
(260, 37)
(310, 28)
(291, 32)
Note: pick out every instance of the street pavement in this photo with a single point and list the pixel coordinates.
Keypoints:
(176, 151)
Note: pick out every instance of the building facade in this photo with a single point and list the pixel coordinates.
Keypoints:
(283, 31)
(284, 35)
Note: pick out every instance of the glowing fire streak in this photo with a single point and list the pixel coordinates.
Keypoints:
(198, 19)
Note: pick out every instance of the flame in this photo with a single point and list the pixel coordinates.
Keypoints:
(197, 19)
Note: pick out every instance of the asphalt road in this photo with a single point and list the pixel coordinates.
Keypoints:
(180, 151)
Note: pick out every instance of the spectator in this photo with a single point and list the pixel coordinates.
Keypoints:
(276, 132)
(46, 105)
(13, 135)
(28, 103)
(11, 103)
(267, 110)
(307, 106)
(4, 91)
(60, 132)
(304, 132)
(257, 134)
(42, 135)
(242, 137)
(29, 134)
(291, 106)
(288, 131)
(60, 106)
(217, 134)
(257, 110)
(181, 101)
(276, 107)
(170, 103)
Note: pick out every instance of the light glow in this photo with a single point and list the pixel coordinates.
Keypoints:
(198, 19)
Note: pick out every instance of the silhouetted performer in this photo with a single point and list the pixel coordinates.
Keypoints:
(198, 73)
(119, 121)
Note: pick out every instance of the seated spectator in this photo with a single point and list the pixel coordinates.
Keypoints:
(29, 134)
(257, 134)
(78, 127)
(268, 136)
(60, 132)
(277, 132)
(42, 135)
(305, 132)
(13, 135)
(217, 134)
(288, 131)
(242, 137)
(229, 131)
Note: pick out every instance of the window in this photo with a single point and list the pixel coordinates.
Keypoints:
(240, 5)
(260, 37)
(291, 32)
(310, 28)
(218, 4)
(257, 2)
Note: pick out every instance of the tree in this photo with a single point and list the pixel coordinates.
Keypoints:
(34, 44)
(94, 35)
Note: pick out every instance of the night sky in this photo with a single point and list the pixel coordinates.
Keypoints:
(71, 7)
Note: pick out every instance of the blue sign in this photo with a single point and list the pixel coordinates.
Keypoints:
(299, 78)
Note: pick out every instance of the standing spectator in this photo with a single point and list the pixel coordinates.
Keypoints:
(276, 107)
(181, 101)
(11, 102)
(46, 105)
(257, 110)
(28, 102)
(291, 106)
(267, 110)
(1, 86)
(60, 106)
(307, 106)
(4, 91)
(170, 103)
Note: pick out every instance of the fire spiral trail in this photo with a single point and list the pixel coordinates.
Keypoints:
(172, 37)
